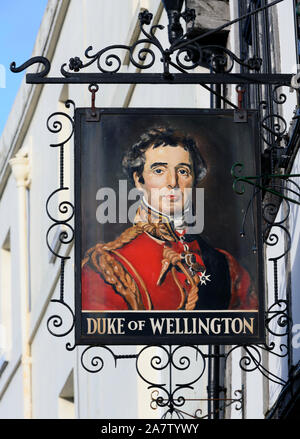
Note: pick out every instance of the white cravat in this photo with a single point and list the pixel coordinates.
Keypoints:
(178, 221)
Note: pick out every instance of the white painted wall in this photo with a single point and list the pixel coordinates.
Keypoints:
(11, 406)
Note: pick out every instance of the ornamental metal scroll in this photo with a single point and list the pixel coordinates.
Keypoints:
(237, 400)
(188, 55)
(165, 362)
(279, 190)
(277, 317)
(61, 224)
(275, 144)
(184, 54)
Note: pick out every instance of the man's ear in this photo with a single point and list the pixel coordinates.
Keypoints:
(137, 182)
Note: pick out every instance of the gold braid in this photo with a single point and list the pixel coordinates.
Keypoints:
(171, 257)
(100, 258)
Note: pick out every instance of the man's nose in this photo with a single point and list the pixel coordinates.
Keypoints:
(172, 179)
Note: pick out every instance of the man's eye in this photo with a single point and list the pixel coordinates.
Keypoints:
(158, 171)
(183, 172)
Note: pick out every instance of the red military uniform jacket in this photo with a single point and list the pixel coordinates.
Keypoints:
(152, 268)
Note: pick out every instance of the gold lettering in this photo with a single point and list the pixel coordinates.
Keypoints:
(201, 325)
(248, 325)
(226, 320)
(213, 327)
(91, 321)
(186, 326)
(101, 328)
(170, 324)
(234, 325)
(194, 325)
(105, 325)
(177, 330)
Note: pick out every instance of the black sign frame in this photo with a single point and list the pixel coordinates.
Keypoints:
(179, 331)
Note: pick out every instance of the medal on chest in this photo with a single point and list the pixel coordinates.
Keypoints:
(194, 266)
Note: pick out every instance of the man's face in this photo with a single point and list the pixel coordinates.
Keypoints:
(168, 172)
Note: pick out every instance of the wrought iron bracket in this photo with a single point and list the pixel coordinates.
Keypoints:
(238, 400)
(158, 78)
(184, 54)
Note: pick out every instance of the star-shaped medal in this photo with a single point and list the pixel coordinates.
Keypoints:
(204, 278)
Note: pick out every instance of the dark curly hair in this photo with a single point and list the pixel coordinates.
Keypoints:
(134, 159)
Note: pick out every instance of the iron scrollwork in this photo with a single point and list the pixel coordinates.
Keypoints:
(184, 54)
(168, 362)
(277, 321)
(170, 372)
(34, 60)
(237, 401)
(188, 55)
(282, 191)
(61, 224)
(92, 358)
(274, 139)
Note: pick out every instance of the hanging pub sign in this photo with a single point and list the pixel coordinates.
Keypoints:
(159, 253)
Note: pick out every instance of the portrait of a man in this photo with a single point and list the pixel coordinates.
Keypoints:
(159, 262)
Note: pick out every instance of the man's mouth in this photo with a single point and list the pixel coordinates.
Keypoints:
(172, 197)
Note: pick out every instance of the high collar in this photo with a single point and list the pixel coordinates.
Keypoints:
(177, 222)
(173, 226)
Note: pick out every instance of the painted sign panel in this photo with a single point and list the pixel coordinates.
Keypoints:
(165, 252)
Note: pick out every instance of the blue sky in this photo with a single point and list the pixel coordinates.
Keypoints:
(19, 24)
